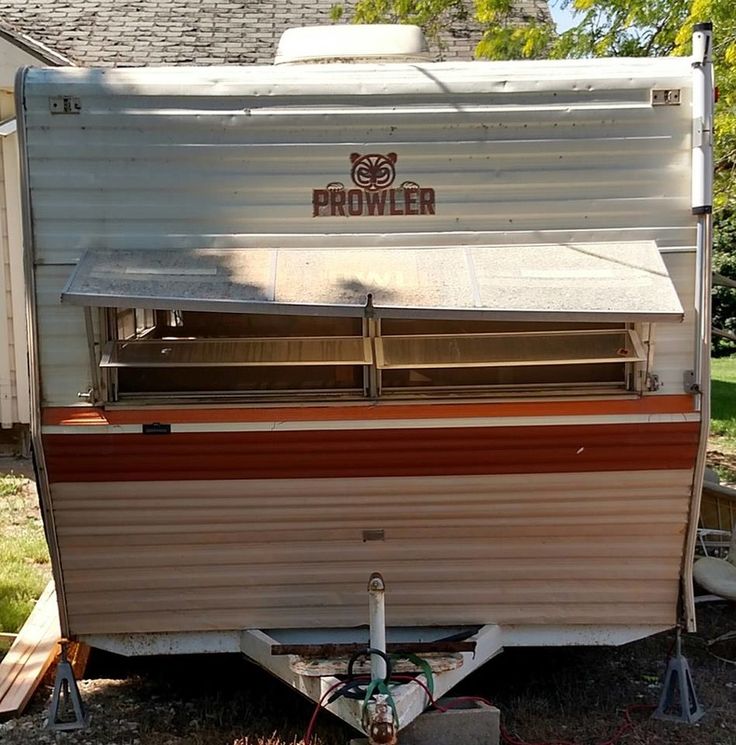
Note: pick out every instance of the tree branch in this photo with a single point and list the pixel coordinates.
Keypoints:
(723, 334)
(720, 281)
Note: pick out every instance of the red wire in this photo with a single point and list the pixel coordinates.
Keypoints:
(317, 708)
(626, 726)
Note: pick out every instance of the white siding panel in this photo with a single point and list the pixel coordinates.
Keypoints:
(172, 158)
(674, 352)
(62, 340)
(13, 344)
(7, 408)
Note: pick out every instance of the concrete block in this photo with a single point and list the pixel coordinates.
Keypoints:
(465, 723)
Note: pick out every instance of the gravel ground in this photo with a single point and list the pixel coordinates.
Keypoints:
(576, 694)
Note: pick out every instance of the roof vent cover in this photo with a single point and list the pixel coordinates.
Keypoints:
(352, 43)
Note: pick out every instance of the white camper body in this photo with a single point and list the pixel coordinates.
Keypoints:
(296, 324)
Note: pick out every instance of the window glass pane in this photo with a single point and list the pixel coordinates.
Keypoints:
(189, 354)
(237, 352)
(559, 348)
(142, 380)
(212, 325)
(183, 353)
(126, 323)
(392, 326)
(487, 377)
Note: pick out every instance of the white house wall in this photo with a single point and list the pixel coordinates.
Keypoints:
(14, 403)
(14, 384)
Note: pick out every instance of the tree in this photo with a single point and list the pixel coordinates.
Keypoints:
(432, 15)
(724, 297)
(632, 28)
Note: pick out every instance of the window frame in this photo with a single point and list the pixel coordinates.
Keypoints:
(634, 370)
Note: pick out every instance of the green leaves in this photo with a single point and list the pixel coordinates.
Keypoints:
(432, 15)
(629, 28)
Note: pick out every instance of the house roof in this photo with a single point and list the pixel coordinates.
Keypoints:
(199, 32)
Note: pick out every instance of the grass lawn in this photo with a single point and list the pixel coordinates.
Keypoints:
(24, 558)
(723, 401)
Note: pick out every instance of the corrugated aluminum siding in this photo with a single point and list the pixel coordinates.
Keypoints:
(674, 343)
(573, 548)
(351, 453)
(228, 157)
(191, 157)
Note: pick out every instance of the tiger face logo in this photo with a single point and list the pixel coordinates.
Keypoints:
(373, 172)
(372, 193)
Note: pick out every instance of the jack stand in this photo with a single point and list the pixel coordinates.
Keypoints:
(678, 702)
(65, 697)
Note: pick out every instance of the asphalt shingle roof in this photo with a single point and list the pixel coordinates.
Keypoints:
(206, 32)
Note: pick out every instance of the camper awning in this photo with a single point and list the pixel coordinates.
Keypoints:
(625, 281)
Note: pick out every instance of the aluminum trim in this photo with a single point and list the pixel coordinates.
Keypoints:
(39, 461)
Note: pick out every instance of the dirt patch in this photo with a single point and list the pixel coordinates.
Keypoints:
(722, 459)
(574, 694)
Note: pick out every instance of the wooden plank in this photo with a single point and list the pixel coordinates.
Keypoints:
(32, 630)
(316, 666)
(30, 656)
(78, 655)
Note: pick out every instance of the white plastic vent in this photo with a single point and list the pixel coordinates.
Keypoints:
(352, 43)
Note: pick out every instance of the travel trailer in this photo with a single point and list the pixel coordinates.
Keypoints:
(361, 316)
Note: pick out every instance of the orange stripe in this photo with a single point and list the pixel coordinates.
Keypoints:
(356, 453)
(676, 404)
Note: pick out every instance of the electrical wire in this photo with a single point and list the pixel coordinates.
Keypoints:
(317, 709)
(625, 727)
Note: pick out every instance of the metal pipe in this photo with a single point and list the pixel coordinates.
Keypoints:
(705, 233)
(702, 114)
(702, 206)
(702, 175)
(377, 613)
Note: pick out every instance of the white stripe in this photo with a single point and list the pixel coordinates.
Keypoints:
(352, 424)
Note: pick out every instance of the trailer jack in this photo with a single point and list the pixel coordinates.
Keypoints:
(66, 700)
(381, 729)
